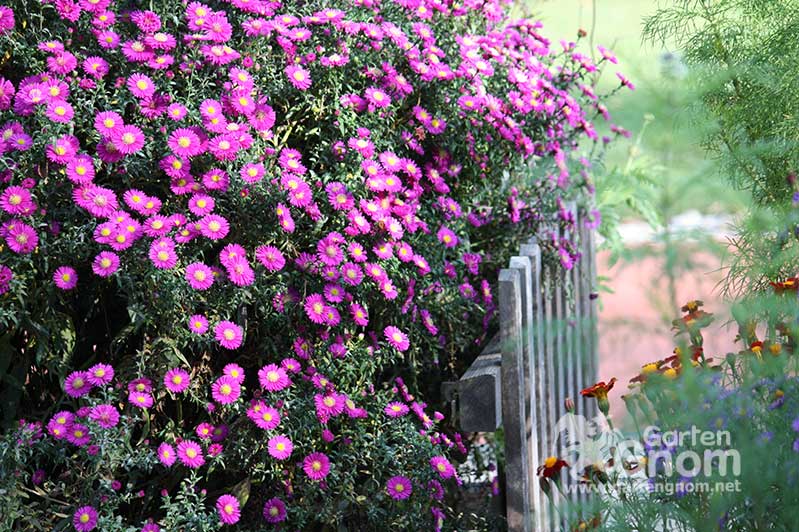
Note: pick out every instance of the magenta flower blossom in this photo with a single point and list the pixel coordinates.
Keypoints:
(198, 324)
(273, 378)
(107, 416)
(264, 416)
(141, 86)
(299, 77)
(128, 139)
(100, 374)
(77, 384)
(20, 237)
(228, 334)
(316, 466)
(235, 372)
(199, 276)
(167, 454)
(184, 142)
(78, 434)
(105, 263)
(274, 511)
(65, 278)
(60, 111)
(85, 519)
(228, 508)
(225, 390)
(399, 488)
(447, 237)
(442, 466)
(280, 447)
(396, 338)
(396, 409)
(377, 98)
(140, 399)
(190, 454)
(16, 200)
(270, 257)
(315, 308)
(214, 227)
(177, 380)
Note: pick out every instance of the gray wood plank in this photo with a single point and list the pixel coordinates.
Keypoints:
(516, 463)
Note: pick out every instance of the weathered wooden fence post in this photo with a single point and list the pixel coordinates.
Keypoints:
(517, 485)
(546, 351)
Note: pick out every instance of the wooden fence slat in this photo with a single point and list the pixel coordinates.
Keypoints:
(541, 401)
(525, 269)
(516, 463)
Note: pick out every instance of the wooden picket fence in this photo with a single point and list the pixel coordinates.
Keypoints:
(545, 351)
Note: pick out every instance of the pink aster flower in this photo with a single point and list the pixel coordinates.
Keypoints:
(78, 434)
(274, 511)
(442, 466)
(280, 447)
(299, 77)
(167, 454)
(105, 263)
(107, 416)
(359, 315)
(399, 488)
(100, 374)
(85, 519)
(128, 139)
(240, 273)
(328, 405)
(21, 237)
(377, 98)
(264, 416)
(214, 227)
(447, 237)
(65, 278)
(60, 111)
(396, 409)
(228, 334)
(177, 380)
(190, 454)
(228, 508)
(77, 384)
(396, 338)
(316, 466)
(184, 142)
(199, 276)
(235, 372)
(162, 254)
(201, 204)
(16, 200)
(225, 390)
(270, 257)
(140, 399)
(198, 324)
(315, 308)
(141, 86)
(273, 378)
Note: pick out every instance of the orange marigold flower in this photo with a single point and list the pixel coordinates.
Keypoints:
(599, 391)
(792, 283)
(551, 467)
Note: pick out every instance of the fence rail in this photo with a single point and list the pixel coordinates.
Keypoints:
(545, 351)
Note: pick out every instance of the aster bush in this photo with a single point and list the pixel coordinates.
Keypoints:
(244, 242)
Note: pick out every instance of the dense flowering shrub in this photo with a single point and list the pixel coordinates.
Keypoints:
(230, 229)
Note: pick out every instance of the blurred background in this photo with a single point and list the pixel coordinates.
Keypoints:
(674, 208)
